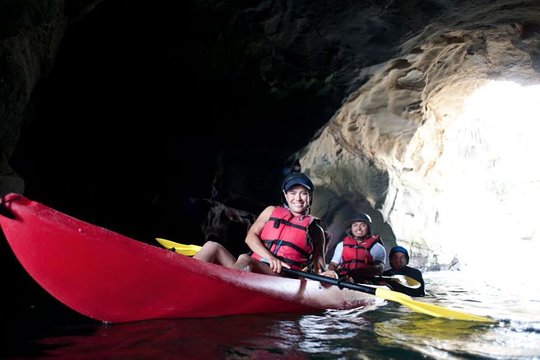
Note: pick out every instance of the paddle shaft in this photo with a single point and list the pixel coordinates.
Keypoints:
(339, 283)
(345, 284)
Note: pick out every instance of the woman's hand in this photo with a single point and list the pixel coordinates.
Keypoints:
(276, 265)
(330, 273)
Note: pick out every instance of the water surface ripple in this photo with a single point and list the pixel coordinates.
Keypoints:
(391, 331)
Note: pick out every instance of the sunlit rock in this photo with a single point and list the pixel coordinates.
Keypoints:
(439, 141)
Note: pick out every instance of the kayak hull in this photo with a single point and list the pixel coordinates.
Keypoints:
(112, 278)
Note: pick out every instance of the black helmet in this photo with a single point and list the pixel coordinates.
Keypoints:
(297, 178)
(358, 217)
(363, 217)
(400, 249)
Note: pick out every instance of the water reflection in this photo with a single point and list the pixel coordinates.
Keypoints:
(430, 336)
(438, 338)
(514, 298)
(228, 337)
(391, 331)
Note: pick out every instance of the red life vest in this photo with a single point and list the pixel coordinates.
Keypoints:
(356, 254)
(287, 238)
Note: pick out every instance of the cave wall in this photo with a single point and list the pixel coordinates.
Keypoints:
(127, 113)
(97, 96)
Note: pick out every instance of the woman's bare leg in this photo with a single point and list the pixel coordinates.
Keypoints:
(246, 262)
(214, 252)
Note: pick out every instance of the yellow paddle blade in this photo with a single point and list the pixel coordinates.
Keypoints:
(188, 250)
(409, 281)
(403, 280)
(429, 309)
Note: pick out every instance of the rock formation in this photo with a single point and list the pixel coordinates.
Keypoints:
(436, 141)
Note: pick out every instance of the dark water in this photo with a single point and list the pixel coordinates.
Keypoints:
(391, 331)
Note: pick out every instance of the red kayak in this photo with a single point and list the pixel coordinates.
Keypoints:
(109, 277)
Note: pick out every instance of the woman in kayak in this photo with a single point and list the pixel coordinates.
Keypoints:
(399, 260)
(281, 236)
(361, 255)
